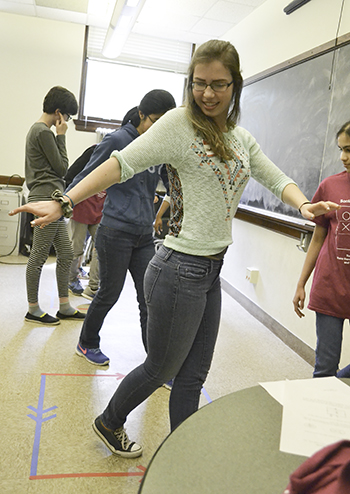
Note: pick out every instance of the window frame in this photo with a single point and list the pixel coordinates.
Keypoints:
(90, 124)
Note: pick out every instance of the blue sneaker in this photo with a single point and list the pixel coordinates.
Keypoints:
(169, 384)
(92, 355)
(82, 274)
(75, 287)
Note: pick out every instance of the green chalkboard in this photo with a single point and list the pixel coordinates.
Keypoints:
(294, 115)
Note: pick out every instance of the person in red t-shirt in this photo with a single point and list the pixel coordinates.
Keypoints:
(329, 254)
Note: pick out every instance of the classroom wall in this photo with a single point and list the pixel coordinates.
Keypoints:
(35, 54)
(266, 38)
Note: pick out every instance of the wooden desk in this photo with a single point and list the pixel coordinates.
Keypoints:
(230, 446)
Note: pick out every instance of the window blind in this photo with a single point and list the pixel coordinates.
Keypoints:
(143, 51)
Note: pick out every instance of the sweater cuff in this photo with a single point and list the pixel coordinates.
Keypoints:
(126, 171)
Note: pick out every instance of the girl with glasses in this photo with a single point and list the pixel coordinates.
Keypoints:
(210, 161)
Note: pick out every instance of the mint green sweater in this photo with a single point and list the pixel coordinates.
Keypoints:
(204, 190)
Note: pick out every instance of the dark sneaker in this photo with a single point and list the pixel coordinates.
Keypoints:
(117, 441)
(88, 293)
(92, 355)
(76, 315)
(44, 319)
(75, 287)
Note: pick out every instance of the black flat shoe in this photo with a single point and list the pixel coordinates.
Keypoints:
(44, 319)
(75, 315)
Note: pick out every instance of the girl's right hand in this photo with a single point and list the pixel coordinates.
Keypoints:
(61, 125)
(47, 212)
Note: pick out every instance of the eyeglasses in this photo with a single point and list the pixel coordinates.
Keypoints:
(151, 119)
(217, 87)
(66, 116)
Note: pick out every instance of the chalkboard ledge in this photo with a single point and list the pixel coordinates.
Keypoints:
(280, 223)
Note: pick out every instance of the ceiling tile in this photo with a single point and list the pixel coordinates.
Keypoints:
(72, 5)
(212, 28)
(24, 8)
(61, 15)
(172, 33)
(168, 8)
(188, 20)
(226, 11)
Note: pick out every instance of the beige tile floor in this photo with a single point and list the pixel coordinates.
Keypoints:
(50, 396)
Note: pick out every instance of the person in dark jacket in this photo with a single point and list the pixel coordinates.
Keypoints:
(124, 239)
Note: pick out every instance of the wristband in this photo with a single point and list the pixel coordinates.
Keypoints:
(72, 203)
(306, 202)
(67, 209)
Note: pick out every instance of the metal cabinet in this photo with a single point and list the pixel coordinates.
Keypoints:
(10, 198)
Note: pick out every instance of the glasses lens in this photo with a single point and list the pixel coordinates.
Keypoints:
(219, 87)
(199, 86)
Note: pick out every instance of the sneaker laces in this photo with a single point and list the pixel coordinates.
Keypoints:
(122, 437)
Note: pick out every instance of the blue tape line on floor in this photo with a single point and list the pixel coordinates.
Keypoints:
(39, 419)
(209, 400)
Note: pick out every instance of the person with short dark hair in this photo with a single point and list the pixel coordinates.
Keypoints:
(46, 164)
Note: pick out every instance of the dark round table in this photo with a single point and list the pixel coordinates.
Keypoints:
(229, 446)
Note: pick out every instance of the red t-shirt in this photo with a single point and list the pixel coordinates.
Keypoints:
(330, 291)
(89, 211)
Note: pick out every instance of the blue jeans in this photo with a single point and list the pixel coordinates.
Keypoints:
(118, 252)
(183, 296)
(329, 331)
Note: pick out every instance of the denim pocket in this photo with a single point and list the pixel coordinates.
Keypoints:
(151, 277)
(191, 272)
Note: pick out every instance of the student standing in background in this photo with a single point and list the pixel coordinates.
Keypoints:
(85, 220)
(124, 239)
(46, 164)
(329, 255)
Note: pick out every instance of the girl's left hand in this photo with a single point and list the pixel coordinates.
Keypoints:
(310, 211)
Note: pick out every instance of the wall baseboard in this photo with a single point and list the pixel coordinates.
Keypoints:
(292, 341)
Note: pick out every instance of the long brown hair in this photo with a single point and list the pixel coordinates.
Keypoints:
(226, 53)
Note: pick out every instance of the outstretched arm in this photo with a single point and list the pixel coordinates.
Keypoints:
(293, 196)
(316, 243)
(107, 174)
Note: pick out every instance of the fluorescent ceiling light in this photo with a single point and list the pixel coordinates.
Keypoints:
(123, 19)
(132, 3)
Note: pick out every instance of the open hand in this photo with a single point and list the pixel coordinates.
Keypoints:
(310, 211)
(47, 212)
